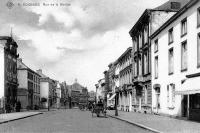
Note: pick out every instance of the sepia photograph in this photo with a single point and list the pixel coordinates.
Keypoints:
(100, 66)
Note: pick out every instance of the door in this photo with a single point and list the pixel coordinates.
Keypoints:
(184, 105)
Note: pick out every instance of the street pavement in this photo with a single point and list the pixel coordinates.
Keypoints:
(16, 116)
(69, 121)
(158, 123)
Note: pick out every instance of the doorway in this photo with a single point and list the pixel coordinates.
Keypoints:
(184, 104)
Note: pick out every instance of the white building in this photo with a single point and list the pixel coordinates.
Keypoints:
(28, 92)
(148, 23)
(100, 90)
(176, 64)
(46, 89)
(8, 74)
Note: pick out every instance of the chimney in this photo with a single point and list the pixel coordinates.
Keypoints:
(39, 71)
(175, 5)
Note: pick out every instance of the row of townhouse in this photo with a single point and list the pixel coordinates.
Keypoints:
(131, 72)
(36, 89)
(175, 85)
(160, 73)
(149, 22)
(19, 83)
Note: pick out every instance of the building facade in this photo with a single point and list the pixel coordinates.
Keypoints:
(125, 80)
(147, 24)
(28, 92)
(58, 95)
(175, 85)
(78, 94)
(64, 94)
(111, 92)
(100, 90)
(46, 90)
(8, 72)
(92, 96)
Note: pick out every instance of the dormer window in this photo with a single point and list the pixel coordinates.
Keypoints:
(175, 5)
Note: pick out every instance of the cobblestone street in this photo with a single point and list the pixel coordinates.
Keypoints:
(69, 121)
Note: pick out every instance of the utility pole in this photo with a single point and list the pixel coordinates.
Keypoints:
(96, 85)
(116, 111)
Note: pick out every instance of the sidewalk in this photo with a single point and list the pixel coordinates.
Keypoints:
(157, 123)
(4, 118)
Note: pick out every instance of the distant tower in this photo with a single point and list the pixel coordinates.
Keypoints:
(76, 80)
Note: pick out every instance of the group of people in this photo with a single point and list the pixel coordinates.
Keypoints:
(16, 107)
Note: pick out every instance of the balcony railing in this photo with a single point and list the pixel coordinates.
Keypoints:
(138, 79)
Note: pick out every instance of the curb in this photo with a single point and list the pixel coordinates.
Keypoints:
(6, 121)
(137, 124)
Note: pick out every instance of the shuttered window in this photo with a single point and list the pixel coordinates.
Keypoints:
(184, 56)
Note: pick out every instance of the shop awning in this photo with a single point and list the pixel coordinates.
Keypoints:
(188, 92)
(190, 86)
(112, 97)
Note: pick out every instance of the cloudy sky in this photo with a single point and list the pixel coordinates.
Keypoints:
(77, 40)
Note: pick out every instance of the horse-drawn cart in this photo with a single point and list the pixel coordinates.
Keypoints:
(99, 109)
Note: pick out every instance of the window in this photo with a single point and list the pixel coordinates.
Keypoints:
(156, 45)
(156, 67)
(135, 67)
(145, 63)
(198, 17)
(170, 95)
(171, 61)
(140, 66)
(195, 101)
(198, 50)
(157, 92)
(171, 36)
(183, 27)
(140, 40)
(184, 56)
(136, 44)
(145, 35)
(146, 94)
(30, 76)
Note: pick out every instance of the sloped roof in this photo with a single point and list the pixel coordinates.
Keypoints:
(22, 66)
(164, 7)
(174, 17)
(76, 86)
(167, 5)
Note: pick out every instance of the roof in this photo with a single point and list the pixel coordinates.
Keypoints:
(164, 7)
(8, 38)
(25, 67)
(5, 37)
(174, 17)
(172, 5)
(42, 75)
(139, 22)
(127, 50)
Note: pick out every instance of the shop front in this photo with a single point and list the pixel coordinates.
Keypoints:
(190, 104)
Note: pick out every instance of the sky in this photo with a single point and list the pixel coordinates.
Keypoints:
(77, 40)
